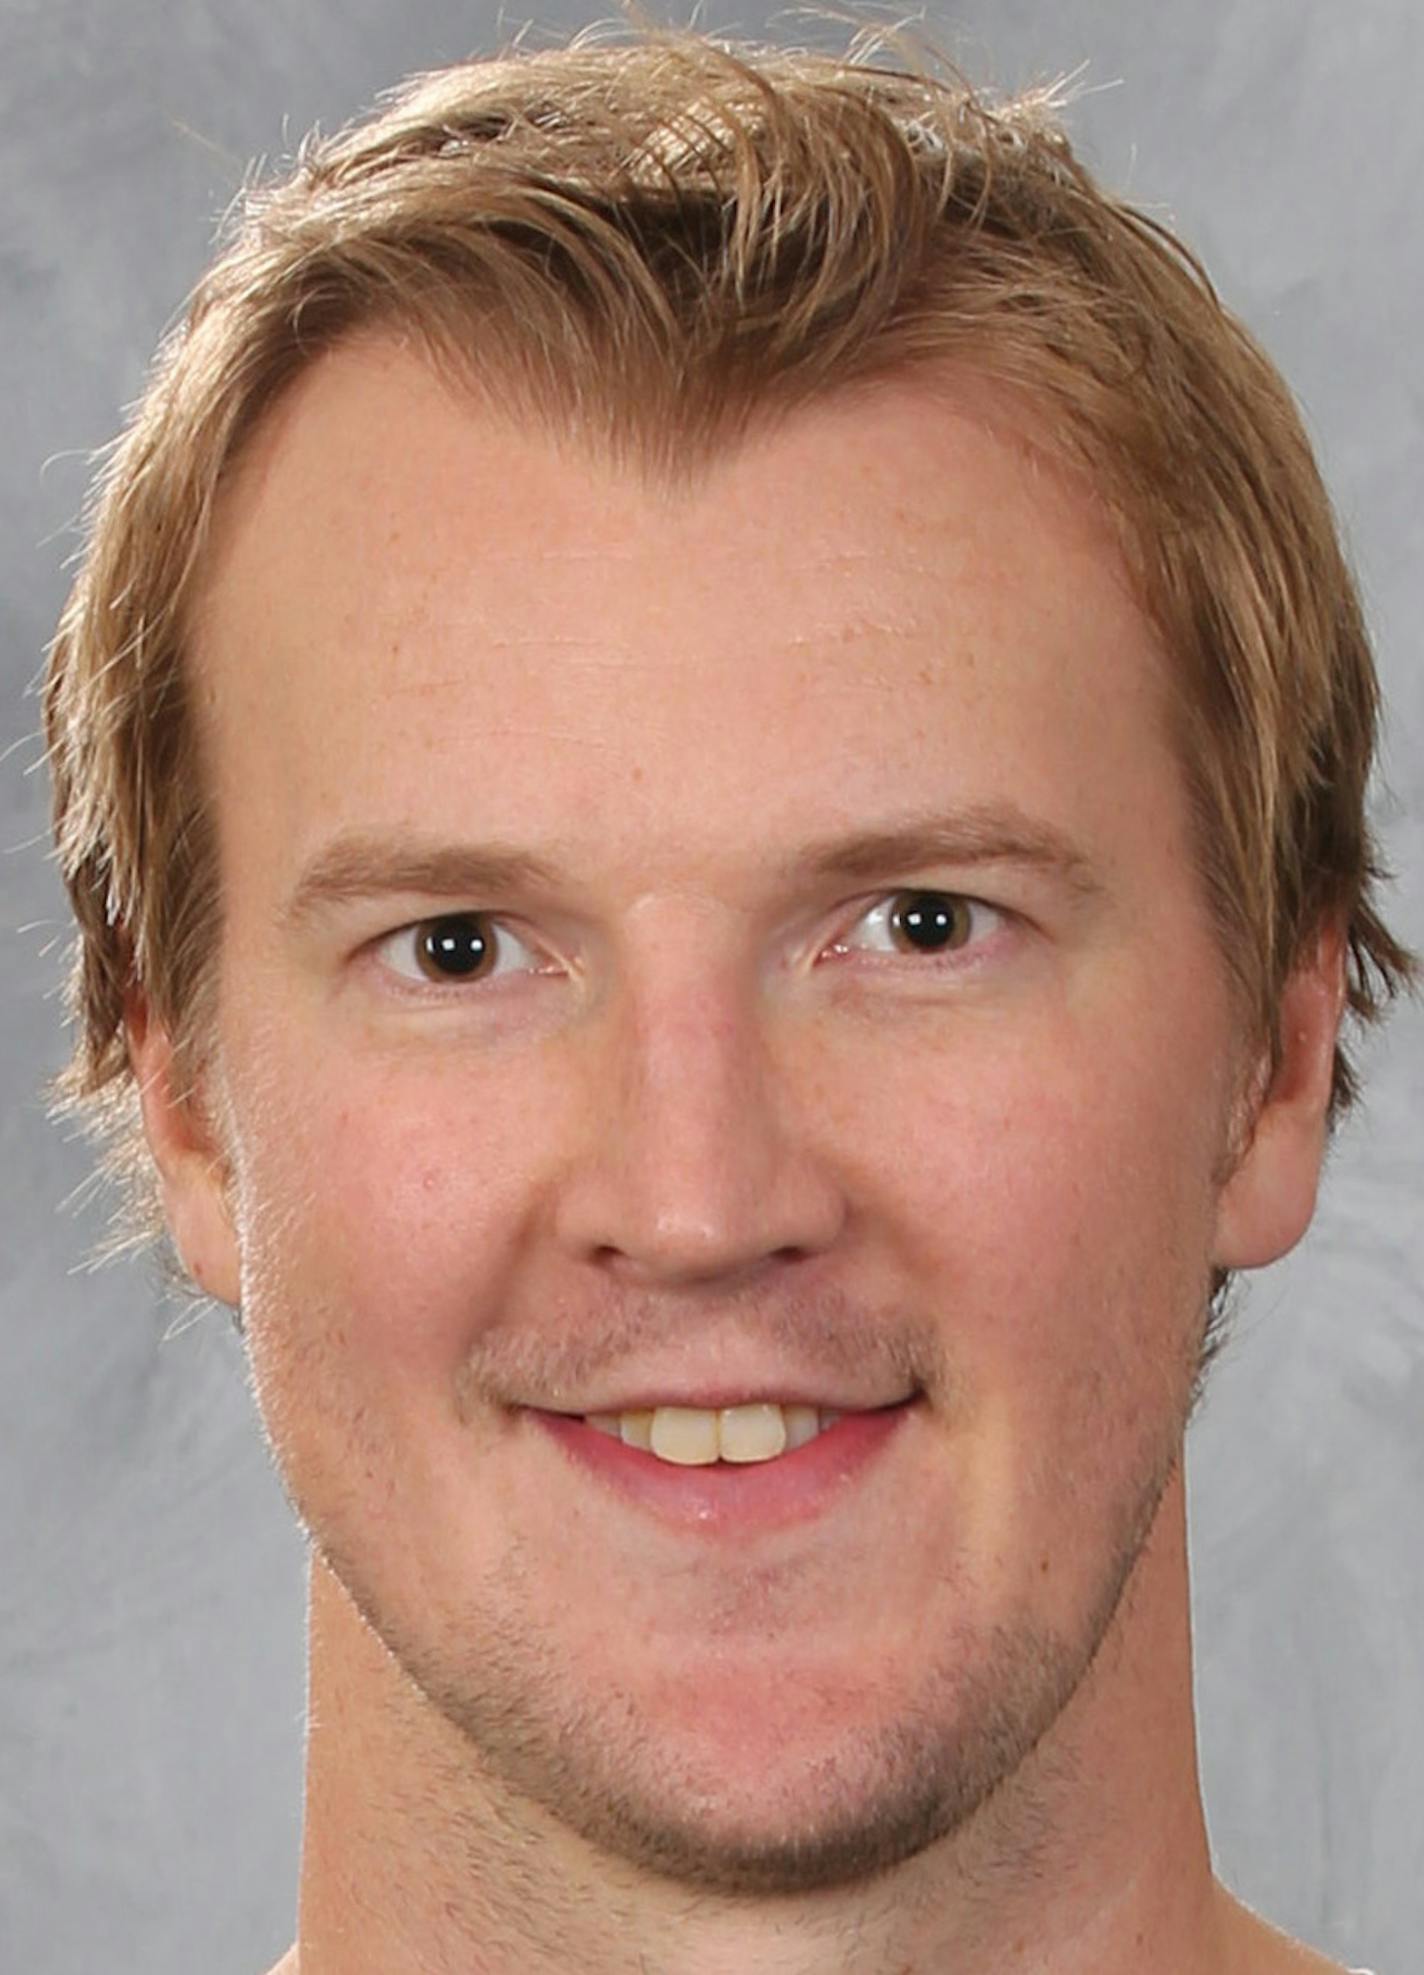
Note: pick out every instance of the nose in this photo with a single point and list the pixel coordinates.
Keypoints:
(695, 1163)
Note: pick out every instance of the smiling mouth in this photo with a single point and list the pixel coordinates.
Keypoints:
(743, 1470)
(696, 1436)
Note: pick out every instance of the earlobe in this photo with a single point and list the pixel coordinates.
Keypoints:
(188, 1157)
(1268, 1201)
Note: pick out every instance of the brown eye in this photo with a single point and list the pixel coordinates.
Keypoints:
(460, 948)
(930, 921)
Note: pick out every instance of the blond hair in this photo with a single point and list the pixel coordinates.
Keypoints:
(655, 242)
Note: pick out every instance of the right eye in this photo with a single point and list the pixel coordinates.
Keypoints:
(460, 948)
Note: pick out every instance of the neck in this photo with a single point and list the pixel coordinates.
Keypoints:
(1093, 1857)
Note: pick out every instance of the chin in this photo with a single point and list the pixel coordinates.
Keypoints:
(771, 1764)
(736, 1783)
(821, 1834)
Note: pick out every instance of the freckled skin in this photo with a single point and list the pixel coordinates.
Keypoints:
(948, 1724)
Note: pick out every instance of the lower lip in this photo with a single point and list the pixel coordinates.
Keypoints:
(731, 1496)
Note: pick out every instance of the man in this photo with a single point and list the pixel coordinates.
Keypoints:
(711, 755)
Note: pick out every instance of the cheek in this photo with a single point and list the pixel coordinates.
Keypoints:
(1058, 1193)
(384, 1201)
(1038, 1183)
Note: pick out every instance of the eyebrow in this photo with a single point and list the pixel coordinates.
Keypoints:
(985, 833)
(357, 866)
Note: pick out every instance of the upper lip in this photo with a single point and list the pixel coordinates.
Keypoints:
(713, 1398)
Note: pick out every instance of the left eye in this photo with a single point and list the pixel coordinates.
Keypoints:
(928, 922)
(448, 952)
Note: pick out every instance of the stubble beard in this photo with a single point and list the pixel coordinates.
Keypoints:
(517, 1738)
(519, 1735)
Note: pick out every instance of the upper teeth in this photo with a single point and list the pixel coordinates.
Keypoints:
(694, 1436)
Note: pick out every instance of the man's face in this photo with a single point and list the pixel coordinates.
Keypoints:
(730, 1103)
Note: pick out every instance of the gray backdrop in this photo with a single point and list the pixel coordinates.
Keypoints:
(151, 1647)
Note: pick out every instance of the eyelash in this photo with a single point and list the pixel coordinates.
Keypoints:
(838, 949)
(976, 906)
(424, 985)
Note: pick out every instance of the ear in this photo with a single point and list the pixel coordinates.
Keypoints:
(188, 1157)
(1268, 1202)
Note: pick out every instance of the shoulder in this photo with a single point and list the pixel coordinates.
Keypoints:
(288, 1964)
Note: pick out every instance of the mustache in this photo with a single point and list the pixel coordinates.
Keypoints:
(557, 1355)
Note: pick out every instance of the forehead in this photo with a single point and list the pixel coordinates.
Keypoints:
(375, 451)
(415, 610)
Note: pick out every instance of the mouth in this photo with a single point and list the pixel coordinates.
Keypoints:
(745, 1467)
(698, 1436)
